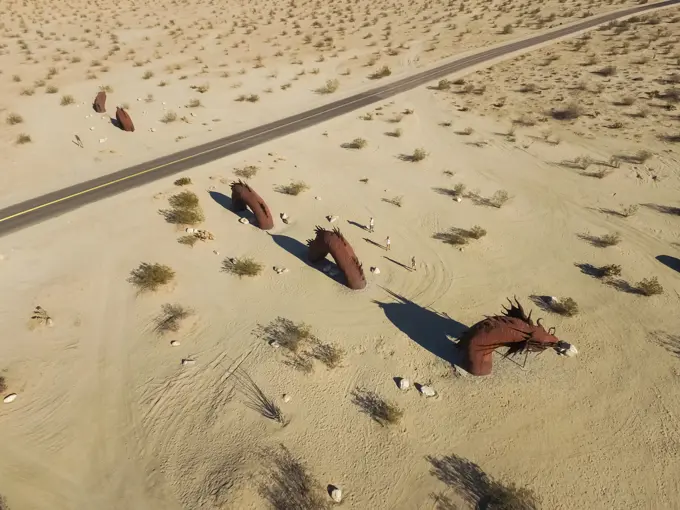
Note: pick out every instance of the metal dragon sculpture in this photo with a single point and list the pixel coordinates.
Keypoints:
(513, 329)
(333, 242)
(244, 196)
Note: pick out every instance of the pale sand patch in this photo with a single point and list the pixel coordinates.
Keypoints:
(108, 418)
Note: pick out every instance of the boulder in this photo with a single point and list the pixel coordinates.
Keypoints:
(124, 120)
(99, 104)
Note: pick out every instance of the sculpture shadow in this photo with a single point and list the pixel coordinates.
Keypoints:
(669, 261)
(226, 202)
(115, 123)
(300, 250)
(431, 330)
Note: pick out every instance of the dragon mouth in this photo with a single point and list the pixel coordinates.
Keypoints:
(566, 349)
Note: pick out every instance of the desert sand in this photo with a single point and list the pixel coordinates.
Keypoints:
(108, 417)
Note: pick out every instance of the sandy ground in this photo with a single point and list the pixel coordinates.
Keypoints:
(159, 58)
(107, 417)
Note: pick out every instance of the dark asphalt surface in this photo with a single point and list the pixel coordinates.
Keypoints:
(58, 202)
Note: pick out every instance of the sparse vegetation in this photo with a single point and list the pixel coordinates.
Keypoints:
(194, 103)
(150, 277)
(257, 399)
(147, 75)
(188, 240)
(183, 181)
(499, 198)
(23, 138)
(398, 200)
(380, 410)
(416, 156)
(51, 89)
(14, 118)
(170, 318)
(294, 188)
(649, 287)
(245, 266)
(67, 100)
(185, 209)
(330, 87)
(247, 172)
(380, 73)
(626, 212)
(169, 117)
(357, 143)
(3, 389)
(602, 241)
(565, 306)
(328, 354)
(460, 236)
(287, 334)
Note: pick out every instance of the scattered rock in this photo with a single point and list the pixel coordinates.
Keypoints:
(317, 198)
(190, 230)
(10, 398)
(375, 270)
(336, 495)
(458, 199)
(427, 391)
(280, 270)
(286, 398)
(204, 235)
(332, 219)
(92, 128)
(284, 217)
(187, 361)
(153, 130)
(243, 221)
(216, 252)
(404, 384)
(102, 140)
(274, 344)
(175, 343)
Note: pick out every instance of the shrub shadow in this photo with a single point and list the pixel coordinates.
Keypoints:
(669, 342)
(431, 330)
(665, 209)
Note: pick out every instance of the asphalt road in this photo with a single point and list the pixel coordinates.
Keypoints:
(38, 209)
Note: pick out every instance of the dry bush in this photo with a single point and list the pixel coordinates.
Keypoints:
(330, 87)
(396, 133)
(476, 232)
(609, 270)
(147, 75)
(51, 89)
(257, 399)
(600, 173)
(188, 240)
(182, 181)
(106, 88)
(507, 29)
(606, 71)
(460, 236)
(602, 241)
(565, 306)
(241, 267)
(630, 210)
(568, 112)
(170, 318)
(294, 188)
(380, 73)
(184, 200)
(398, 200)
(287, 334)
(328, 354)
(169, 117)
(23, 138)
(649, 287)
(465, 132)
(67, 100)
(3, 389)
(178, 216)
(194, 103)
(14, 118)
(499, 199)
(247, 172)
(382, 411)
(417, 155)
(637, 159)
(357, 143)
(289, 486)
(150, 277)
(443, 85)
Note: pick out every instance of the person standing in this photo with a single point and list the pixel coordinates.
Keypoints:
(413, 264)
(388, 243)
(371, 224)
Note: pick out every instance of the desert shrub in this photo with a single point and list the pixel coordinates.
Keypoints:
(287, 334)
(606, 71)
(382, 411)
(568, 112)
(241, 267)
(396, 133)
(609, 270)
(170, 318)
(184, 200)
(610, 239)
(649, 287)
(106, 88)
(3, 389)
(23, 138)
(14, 118)
(67, 100)
(188, 240)
(150, 277)
(507, 29)
(476, 232)
(398, 200)
(565, 306)
(169, 117)
(257, 399)
(178, 216)
(294, 188)
(330, 87)
(147, 75)
(380, 73)
(194, 103)
(600, 173)
(289, 485)
(630, 210)
(453, 236)
(366, 116)
(253, 98)
(416, 156)
(27, 92)
(247, 172)
(328, 354)
(443, 85)
(499, 199)
(357, 143)
(182, 181)
(51, 89)
(466, 131)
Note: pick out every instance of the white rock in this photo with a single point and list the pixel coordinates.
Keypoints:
(216, 252)
(375, 270)
(175, 343)
(458, 199)
(553, 300)
(10, 398)
(193, 114)
(153, 130)
(336, 495)
(332, 219)
(427, 391)
(139, 99)
(284, 216)
(275, 344)
(317, 198)
(404, 384)
(164, 103)
(243, 221)
(286, 398)
(92, 128)
(190, 230)
(49, 322)
(102, 140)
(187, 361)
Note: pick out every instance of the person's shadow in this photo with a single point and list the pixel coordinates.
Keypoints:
(300, 250)
(431, 330)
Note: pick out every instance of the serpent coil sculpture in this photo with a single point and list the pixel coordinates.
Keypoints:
(514, 330)
(243, 196)
(99, 104)
(124, 120)
(333, 242)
